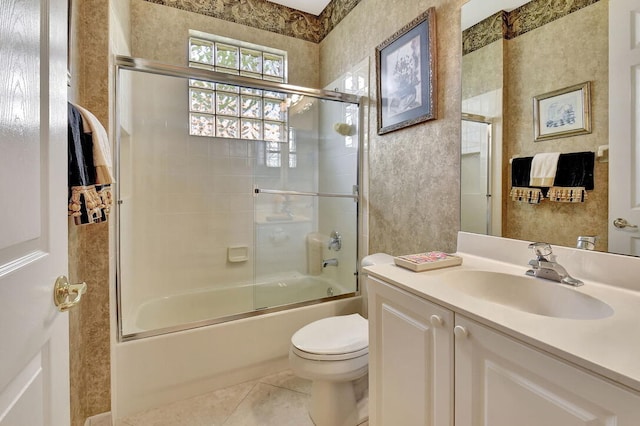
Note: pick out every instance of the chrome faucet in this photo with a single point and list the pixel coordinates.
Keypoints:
(335, 241)
(545, 266)
(327, 262)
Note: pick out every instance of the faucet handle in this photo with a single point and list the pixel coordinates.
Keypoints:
(541, 249)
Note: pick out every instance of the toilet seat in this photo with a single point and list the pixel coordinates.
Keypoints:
(332, 339)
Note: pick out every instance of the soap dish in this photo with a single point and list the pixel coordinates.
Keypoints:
(426, 261)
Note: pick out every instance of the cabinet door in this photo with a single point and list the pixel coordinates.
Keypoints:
(502, 382)
(410, 359)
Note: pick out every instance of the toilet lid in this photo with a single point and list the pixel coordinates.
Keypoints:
(333, 335)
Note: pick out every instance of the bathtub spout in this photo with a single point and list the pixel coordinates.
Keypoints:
(327, 262)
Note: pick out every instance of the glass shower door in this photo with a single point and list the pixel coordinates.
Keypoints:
(306, 207)
(221, 215)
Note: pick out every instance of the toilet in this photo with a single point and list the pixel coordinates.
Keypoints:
(333, 353)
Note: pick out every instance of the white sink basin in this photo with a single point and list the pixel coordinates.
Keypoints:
(528, 294)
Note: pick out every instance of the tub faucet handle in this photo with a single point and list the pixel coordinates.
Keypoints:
(335, 241)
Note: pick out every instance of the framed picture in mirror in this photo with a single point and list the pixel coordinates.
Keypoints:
(562, 113)
(406, 75)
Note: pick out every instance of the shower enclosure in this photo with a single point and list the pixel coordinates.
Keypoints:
(476, 170)
(236, 197)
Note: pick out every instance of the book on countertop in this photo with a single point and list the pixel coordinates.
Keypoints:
(426, 261)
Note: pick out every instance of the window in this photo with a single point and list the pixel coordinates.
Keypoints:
(228, 111)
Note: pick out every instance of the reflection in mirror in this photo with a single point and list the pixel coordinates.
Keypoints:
(477, 213)
(511, 56)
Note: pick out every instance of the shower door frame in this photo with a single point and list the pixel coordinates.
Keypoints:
(475, 118)
(152, 67)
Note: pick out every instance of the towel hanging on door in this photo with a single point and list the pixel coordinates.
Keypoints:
(90, 176)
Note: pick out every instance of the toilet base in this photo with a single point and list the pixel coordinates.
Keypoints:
(335, 404)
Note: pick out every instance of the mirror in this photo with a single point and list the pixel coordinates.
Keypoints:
(513, 54)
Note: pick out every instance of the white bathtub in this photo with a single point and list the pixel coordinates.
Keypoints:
(153, 371)
(206, 304)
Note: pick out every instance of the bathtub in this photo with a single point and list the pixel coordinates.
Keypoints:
(157, 370)
(217, 303)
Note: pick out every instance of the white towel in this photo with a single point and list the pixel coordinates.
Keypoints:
(101, 147)
(543, 169)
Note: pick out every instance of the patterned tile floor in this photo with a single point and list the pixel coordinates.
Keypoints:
(277, 400)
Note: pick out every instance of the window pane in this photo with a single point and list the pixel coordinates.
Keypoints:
(201, 51)
(229, 111)
(251, 129)
(201, 125)
(251, 107)
(227, 103)
(227, 88)
(251, 61)
(273, 110)
(273, 131)
(201, 100)
(293, 160)
(248, 91)
(273, 159)
(273, 65)
(227, 127)
(226, 56)
(274, 95)
(200, 83)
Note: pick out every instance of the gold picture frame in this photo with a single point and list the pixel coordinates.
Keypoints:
(406, 75)
(562, 113)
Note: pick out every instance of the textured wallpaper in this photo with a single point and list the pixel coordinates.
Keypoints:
(519, 21)
(531, 71)
(414, 176)
(270, 16)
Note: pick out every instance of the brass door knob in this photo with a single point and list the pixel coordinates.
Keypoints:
(621, 223)
(65, 295)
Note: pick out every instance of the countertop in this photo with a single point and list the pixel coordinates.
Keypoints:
(609, 347)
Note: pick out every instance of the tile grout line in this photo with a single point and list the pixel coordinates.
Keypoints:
(239, 403)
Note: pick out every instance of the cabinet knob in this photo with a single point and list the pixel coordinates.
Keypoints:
(436, 321)
(460, 331)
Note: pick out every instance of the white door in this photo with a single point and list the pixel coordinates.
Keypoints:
(34, 376)
(624, 138)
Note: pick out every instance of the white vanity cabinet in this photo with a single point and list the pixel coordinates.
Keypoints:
(416, 349)
(502, 382)
(410, 359)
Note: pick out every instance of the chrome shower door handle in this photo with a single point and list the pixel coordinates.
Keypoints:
(62, 292)
(621, 223)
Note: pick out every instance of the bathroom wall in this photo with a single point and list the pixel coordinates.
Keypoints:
(414, 193)
(98, 29)
(161, 33)
(89, 255)
(408, 212)
(562, 53)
